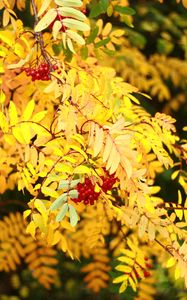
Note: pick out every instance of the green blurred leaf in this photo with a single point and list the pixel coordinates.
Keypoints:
(125, 10)
(84, 52)
(102, 43)
(93, 35)
(99, 8)
(164, 46)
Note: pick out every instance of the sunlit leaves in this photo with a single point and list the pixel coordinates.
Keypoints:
(48, 18)
(132, 265)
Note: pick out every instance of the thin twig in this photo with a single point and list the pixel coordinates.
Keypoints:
(39, 36)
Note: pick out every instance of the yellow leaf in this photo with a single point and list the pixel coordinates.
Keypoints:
(56, 29)
(39, 222)
(123, 287)
(107, 149)
(175, 174)
(18, 135)
(171, 262)
(49, 192)
(28, 111)
(107, 29)
(142, 226)
(78, 149)
(151, 231)
(177, 272)
(45, 5)
(60, 167)
(120, 279)
(70, 45)
(71, 12)
(123, 268)
(19, 50)
(39, 116)
(82, 170)
(25, 132)
(48, 18)
(98, 143)
(7, 37)
(76, 37)
(26, 213)
(131, 97)
(3, 123)
(40, 206)
(31, 228)
(132, 283)
(6, 17)
(2, 97)
(179, 197)
(13, 115)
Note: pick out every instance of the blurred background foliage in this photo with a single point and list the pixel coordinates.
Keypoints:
(153, 57)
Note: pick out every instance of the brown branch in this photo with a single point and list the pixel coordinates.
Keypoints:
(39, 37)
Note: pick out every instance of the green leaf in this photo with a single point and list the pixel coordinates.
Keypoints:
(73, 194)
(99, 8)
(102, 43)
(73, 215)
(62, 212)
(68, 184)
(58, 202)
(125, 10)
(84, 52)
(164, 46)
(93, 35)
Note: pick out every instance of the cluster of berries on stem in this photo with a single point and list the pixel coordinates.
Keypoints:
(146, 272)
(40, 72)
(86, 190)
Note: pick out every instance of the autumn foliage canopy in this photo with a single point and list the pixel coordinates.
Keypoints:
(81, 149)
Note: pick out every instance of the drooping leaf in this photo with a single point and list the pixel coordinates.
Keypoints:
(76, 37)
(58, 202)
(73, 215)
(45, 21)
(62, 213)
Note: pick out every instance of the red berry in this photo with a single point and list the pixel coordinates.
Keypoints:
(149, 266)
(147, 274)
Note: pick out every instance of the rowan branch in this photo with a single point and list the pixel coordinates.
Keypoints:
(39, 37)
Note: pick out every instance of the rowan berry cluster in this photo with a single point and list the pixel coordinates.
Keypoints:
(146, 273)
(108, 181)
(86, 190)
(41, 72)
